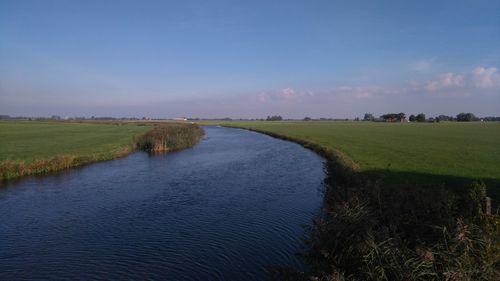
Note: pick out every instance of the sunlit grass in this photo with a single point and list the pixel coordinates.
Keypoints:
(414, 151)
(28, 148)
(30, 141)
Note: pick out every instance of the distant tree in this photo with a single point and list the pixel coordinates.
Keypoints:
(413, 118)
(401, 116)
(356, 119)
(444, 118)
(420, 117)
(307, 119)
(491, 118)
(389, 116)
(466, 117)
(392, 117)
(274, 118)
(368, 117)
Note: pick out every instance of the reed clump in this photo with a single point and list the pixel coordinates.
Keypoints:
(171, 137)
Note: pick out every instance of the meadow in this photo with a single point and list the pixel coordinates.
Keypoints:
(29, 141)
(453, 152)
(36, 147)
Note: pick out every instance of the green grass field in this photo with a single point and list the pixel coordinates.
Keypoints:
(29, 141)
(407, 152)
(35, 147)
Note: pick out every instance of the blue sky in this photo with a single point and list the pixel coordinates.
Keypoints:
(247, 59)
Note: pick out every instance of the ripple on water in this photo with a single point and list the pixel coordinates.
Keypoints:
(227, 209)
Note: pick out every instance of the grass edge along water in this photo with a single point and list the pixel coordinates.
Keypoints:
(373, 229)
(160, 137)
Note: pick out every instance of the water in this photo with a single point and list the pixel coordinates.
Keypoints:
(228, 209)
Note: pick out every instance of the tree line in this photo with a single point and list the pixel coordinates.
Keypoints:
(400, 117)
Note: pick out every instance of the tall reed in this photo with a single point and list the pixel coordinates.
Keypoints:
(171, 137)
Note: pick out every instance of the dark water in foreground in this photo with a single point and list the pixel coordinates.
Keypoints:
(227, 209)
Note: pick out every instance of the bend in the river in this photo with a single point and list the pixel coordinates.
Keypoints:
(229, 208)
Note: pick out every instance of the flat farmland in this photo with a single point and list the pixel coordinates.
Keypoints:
(34, 147)
(446, 152)
(30, 140)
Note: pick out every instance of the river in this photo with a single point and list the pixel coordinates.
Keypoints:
(227, 209)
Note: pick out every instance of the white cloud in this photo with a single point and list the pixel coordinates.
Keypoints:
(288, 94)
(262, 97)
(485, 77)
(423, 65)
(480, 80)
(360, 92)
(482, 83)
(446, 81)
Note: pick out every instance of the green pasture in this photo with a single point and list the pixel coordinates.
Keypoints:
(33, 140)
(406, 152)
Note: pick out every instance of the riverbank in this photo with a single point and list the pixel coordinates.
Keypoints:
(395, 226)
(228, 209)
(32, 147)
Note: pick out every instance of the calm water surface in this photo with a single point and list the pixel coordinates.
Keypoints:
(229, 208)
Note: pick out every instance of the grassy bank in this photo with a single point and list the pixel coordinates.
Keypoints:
(387, 218)
(30, 147)
(446, 152)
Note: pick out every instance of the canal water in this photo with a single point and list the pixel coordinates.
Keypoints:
(228, 209)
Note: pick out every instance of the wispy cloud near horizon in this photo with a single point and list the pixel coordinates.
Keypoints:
(481, 83)
(481, 80)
